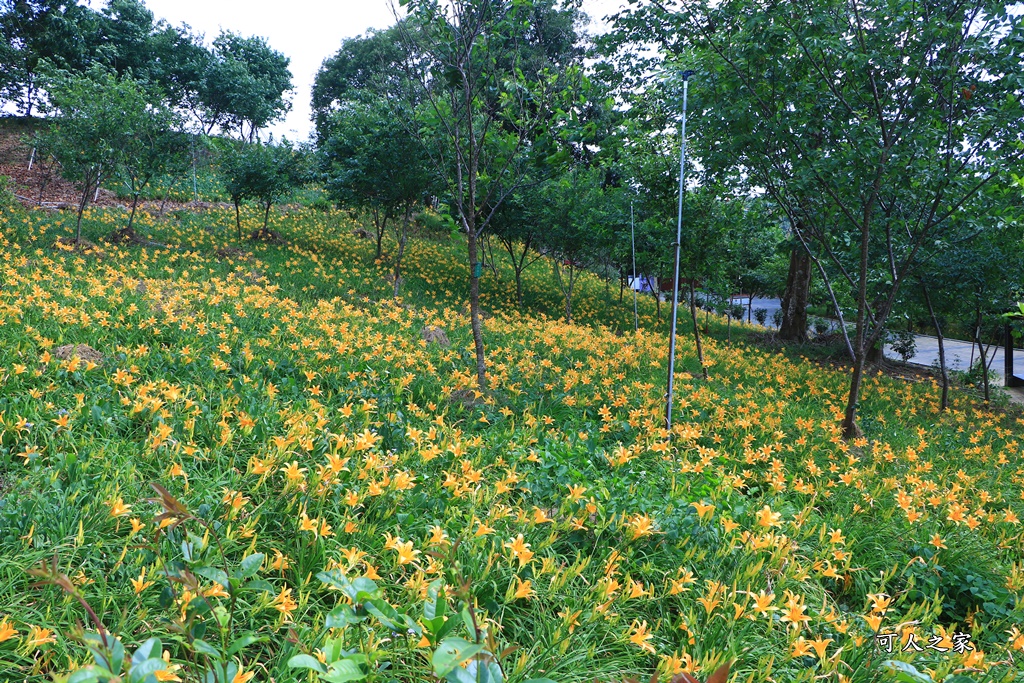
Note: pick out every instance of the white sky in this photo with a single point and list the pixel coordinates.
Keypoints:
(307, 31)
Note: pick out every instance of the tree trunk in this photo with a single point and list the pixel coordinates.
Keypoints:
(944, 401)
(875, 355)
(131, 216)
(850, 428)
(81, 208)
(266, 217)
(474, 310)
(90, 179)
(696, 331)
(794, 300)
(984, 360)
(849, 425)
(568, 294)
(492, 263)
(402, 236)
(380, 224)
(238, 221)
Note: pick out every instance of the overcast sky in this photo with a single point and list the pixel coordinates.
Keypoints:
(306, 31)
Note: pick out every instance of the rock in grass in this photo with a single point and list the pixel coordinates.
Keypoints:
(435, 335)
(82, 351)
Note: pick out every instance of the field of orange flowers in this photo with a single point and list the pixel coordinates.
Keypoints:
(253, 454)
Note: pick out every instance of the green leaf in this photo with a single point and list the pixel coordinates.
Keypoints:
(365, 585)
(204, 648)
(435, 604)
(342, 616)
(145, 669)
(259, 585)
(343, 670)
(483, 672)
(245, 641)
(907, 673)
(452, 653)
(385, 613)
(460, 675)
(306, 662)
(352, 589)
(467, 619)
(89, 674)
(150, 648)
(214, 574)
(249, 566)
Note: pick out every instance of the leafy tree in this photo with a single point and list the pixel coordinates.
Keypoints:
(571, 207)
(755, 236)
(152, 144)
(519, 233)
(33, 32)
(97, 114)
(124, 44)
(484, 109)
(365, 66)
(968, 280)
(244, 84)
(871, 125)
(180, 63)
(265, 173)
(373, 163)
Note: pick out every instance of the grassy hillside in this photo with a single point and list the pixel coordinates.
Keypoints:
(301, 422)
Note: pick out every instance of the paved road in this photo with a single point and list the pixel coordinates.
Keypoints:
(770, 305)
(959, 354)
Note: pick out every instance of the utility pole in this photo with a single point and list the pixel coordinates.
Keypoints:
(679, 239)
(632, 285)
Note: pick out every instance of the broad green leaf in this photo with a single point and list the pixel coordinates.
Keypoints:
(306, 662)
(245, 641)
(342, 616)
(907, 673)
(435, 604)
(204, 648)
(139, 673)
(214, 574)
(150, 648)
(385, 613)
(452, 653)
(88, 674)
(249, 566)
(342, 671)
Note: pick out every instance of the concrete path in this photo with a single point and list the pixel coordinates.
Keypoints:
(959, 354)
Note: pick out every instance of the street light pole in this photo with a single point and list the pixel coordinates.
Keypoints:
(679, 238)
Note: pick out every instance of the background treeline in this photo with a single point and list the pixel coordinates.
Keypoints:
(234, 83)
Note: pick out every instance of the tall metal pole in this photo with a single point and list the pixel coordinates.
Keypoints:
(632, 285)
(195, 186)
(679, 239)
